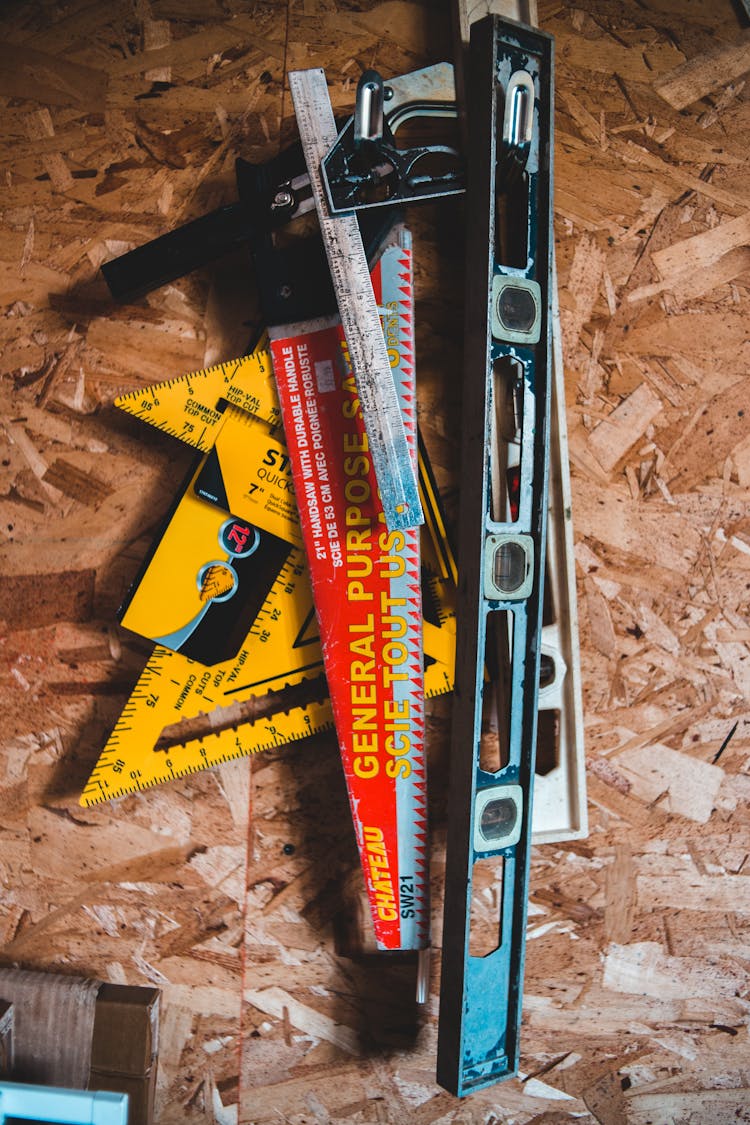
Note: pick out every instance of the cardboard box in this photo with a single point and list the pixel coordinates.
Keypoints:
(125, 1045)
(126, 1026)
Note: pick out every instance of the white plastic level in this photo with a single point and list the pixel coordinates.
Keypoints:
(559, 809)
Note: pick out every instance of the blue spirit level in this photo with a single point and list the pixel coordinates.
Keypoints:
(506, 396)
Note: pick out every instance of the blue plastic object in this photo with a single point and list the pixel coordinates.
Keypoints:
(61, 1107)
(506, 391)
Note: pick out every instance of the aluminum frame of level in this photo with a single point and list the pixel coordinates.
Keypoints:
(490, 812)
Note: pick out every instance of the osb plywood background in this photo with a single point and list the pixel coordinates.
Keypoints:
(234, 891)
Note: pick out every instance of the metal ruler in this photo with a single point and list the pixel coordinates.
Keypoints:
(359, 314)
(506, 400)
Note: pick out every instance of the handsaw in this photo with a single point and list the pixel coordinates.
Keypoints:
(367, 592)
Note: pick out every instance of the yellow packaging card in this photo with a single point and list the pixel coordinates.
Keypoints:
(247, 473)
(228, 538)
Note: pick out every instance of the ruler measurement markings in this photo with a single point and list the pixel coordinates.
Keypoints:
(358, 311)
(259, 683)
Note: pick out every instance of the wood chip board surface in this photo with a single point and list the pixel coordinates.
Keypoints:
(237, 892)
